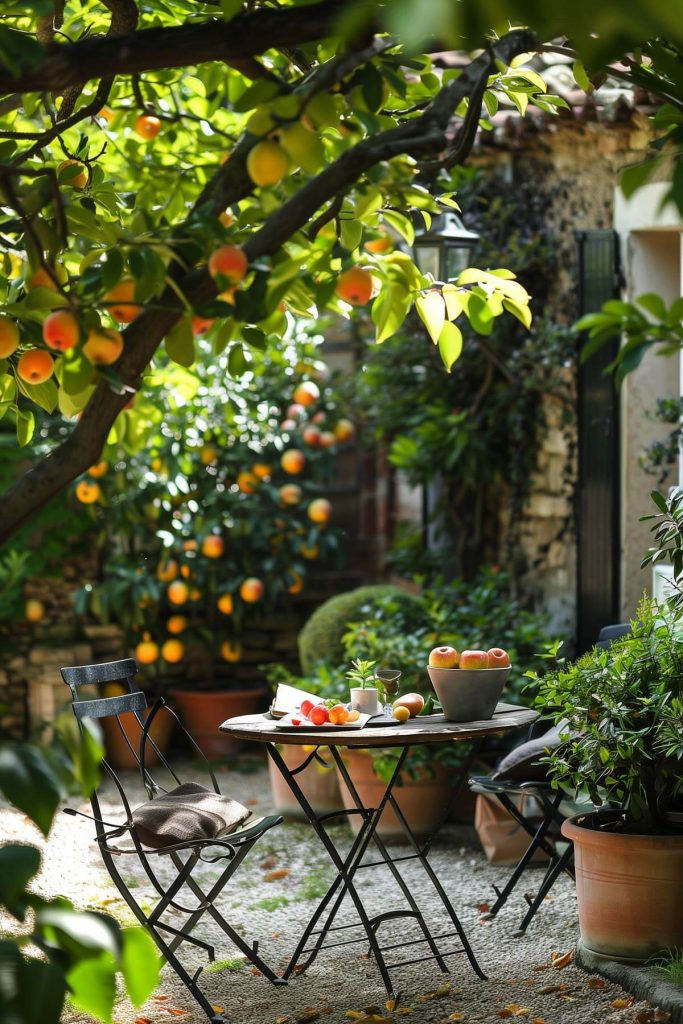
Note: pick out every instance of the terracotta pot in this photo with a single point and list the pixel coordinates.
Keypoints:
(629, 889)
(202, 711)
(421, 800)
(319, 785)
(118, 753)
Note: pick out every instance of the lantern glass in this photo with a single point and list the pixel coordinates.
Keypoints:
(428, 258)
(444, 250)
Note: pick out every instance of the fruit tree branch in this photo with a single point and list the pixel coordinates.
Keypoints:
(425, 134)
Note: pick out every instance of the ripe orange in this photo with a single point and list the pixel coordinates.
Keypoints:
(355, 286)
(61, 330)
(231, 650)
(251, 590)
(247, 482)
(382, 243)
(88, 493)
(320, 510)
(290, 494)
(225, 604)
(148, 127)
(226, 218)
(172, 651)
(208, 454)
(167, 571)
(147, 651)
(178, 592)
(339, 715)
(306, 393)
(34, 610)
(311, 435)
(99, 469)
(9, 337)
(107, 113)
(309, 552)
(267, 163)
(190, 545)
(297, 584)
(35, 366)
(344, 430)
(176, 624)
(293, 461)
(75, 180)
(120, 301)
(213, 546)
(260, 470)
(229, 263)
(41, 279)
(327, 439)
(200, 324)
(186, 572)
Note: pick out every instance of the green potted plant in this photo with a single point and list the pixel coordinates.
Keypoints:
(624, 747)
(364, 698)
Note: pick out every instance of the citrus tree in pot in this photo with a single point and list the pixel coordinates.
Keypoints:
(624, 746)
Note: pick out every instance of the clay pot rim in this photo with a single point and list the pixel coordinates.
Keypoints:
(575, 828)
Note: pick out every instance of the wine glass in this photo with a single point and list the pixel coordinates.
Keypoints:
(389, 679)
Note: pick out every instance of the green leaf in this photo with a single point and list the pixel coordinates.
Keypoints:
(400, 223)
(431, 309)
(237, 361)
(450, 344)
(454, 299)
(26, 424)
(140, 964)
(519, 310)
(30, 990)
(8, 393)
(93, 985)
(45, 298)
(255, 337)
(582, 79)
(633, 177)
(27, 781)
(179, 343)
(351, 232)
(112, 269)
(18, 865)
(254, 95)
(389, 310)
(480, 314)
(79, 934)
(44, 395)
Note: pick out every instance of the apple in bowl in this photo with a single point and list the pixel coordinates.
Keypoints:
(474, 660)
(443, 657)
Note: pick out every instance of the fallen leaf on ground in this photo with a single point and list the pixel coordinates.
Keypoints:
(276, 935)
(218, 1009)
(547, 989)
(273, 876)
(255, 970)
(538, 1020)
(456, 1016)
(403, 1010)
(159, 999)
(310, 1013)
(484, 908)
(285, 1019)
(175, 1011)
(143, 1020)
(439, 993)
(540, 967)
(269, 862)
(596, 982)
(354, 1014)
(623, 1004)
(562, 961)
(655, 1016)
(299, 968)
(251, 803)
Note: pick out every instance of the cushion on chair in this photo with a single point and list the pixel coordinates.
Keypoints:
(186, 814)
(523, 763)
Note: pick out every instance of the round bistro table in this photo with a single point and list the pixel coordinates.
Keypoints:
(432, 729)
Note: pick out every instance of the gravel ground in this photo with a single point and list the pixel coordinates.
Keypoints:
(522, 981)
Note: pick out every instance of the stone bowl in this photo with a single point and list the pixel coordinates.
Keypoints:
(468, 694)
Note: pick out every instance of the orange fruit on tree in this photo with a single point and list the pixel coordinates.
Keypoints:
(290, 494)
(172, 651)
(260, 470)
(35, 366)
(251, 590)
(208, 454)
(226, 218)
(213, 546)
(247, 482)
(99, 469)
(41, 279)
(34, 610)
(228, 263)
(186, 572)
(327, 439)
(309, 552)
(60, 330)
(107, 113)
(120, 301)
(103, 346)
(311, 435)
(231, 650)
(293, 461)
(178, 592)
(88, 493)
(148, 127)
(200, 324)
(344, 430)
(195, 594)
(306, 393)
(297, 583)
(320, 510)
(383, 242)
(225, 604)
(9, 336)
(267, 163)
(79, 180)
(190, 545)
(176, 624)
(147, 652)
(167, 571)
(355, 286)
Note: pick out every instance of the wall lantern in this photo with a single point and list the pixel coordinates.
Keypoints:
(444, 251)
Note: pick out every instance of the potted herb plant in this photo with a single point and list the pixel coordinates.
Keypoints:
(364, 698)
(624, 747)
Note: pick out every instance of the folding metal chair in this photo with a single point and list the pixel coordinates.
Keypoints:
(185, 825)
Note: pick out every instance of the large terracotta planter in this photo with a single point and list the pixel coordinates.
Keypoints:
(202, 711)
(118, 753)
(629, 890)
(318, 784)
(421, 800)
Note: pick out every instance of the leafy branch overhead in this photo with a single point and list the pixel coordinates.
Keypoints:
(170, 168)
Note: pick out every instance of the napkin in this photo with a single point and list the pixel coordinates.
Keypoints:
(288, 699)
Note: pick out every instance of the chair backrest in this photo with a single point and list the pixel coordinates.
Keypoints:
(608, 634)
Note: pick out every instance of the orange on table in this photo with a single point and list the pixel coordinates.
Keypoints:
(354, 715)
(339, 715)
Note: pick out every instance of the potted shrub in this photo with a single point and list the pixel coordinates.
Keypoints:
(363, 697)
(624, 706)
(212, 521)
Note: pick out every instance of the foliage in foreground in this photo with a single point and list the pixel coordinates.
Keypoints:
(80, 953)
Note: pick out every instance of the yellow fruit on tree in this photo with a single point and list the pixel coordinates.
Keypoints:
(231, 650)
(267, 163)
(147, 652)
(319, 511)
(225, 604)
(251, 590)
(104, 346)
(99, 469)
(172, 651)
(34, 610)
(120, 301)
(178, 592)
(208, 454)
(88, 493)
(167, 571)
(176, 624)
(213, 546)
(309, 552)
(77, 179)
(9, 336)
(247, 482)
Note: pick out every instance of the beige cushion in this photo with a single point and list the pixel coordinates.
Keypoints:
(185, 814)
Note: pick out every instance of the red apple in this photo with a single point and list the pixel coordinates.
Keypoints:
(498, 658)
(474, 659)
(443, 657)
(319, 715)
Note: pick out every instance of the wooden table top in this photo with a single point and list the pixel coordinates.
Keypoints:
(432, 729)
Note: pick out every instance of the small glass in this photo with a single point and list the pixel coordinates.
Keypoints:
(389, 678)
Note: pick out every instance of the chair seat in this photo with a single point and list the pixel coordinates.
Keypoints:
(186, 814)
